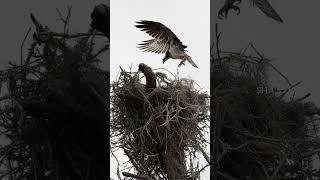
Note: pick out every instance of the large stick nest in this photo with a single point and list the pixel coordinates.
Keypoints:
(261, 131)
(156, 129)
(54, 110)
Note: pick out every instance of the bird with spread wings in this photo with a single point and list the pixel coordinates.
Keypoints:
(164, 42)
(263, 5)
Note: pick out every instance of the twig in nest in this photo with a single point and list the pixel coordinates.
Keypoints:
(69, 36)
(22, 45)
(203, 153)
(218, 34)
(304, 97)
(65, 20)
(276, 171)
(142, 177)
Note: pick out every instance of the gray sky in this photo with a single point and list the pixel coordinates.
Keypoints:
(294, 44)
(188, 19)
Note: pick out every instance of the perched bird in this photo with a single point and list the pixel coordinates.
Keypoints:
(263, 5)
(151, 83)
(165, 41)
(100, 19)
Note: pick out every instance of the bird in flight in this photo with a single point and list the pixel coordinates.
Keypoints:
(164, 41)
(263, 5)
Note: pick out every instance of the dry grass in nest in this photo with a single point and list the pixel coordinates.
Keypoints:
(167, 122)
(260, 130)
(54, 107)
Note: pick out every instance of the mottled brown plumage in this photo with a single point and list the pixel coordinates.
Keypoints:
(164, 41)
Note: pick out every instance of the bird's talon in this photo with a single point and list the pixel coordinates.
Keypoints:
(223, 12)
(182, 63)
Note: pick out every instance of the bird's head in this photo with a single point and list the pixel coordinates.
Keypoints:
(141, 66)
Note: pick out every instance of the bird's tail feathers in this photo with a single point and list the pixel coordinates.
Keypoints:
(188, 58)
(267, 9)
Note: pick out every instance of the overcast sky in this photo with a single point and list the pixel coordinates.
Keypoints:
(188, 19)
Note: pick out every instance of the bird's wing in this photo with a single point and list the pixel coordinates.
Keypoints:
(267, 9)
(154, 45)
(160, 32)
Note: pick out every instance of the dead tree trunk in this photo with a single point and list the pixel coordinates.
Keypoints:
(172, 156)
